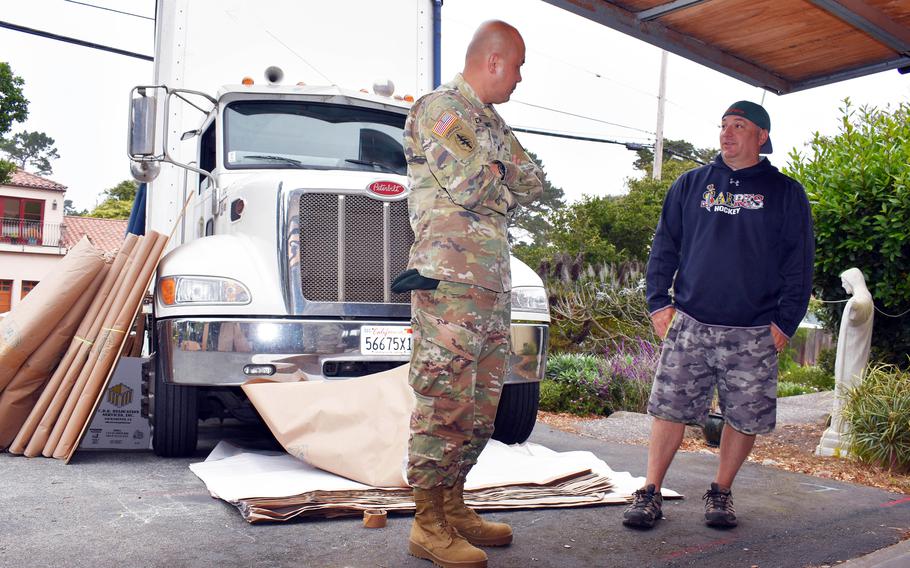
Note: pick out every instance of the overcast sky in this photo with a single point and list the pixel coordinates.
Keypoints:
(79, 96)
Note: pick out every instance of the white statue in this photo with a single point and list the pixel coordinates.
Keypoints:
(853, 342)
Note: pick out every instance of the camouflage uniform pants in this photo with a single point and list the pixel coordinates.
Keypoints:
(740, 361)
(460, 356)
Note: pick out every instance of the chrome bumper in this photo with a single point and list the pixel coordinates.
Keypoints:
(212, 352)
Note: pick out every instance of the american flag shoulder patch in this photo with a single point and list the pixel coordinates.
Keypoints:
(444, 124)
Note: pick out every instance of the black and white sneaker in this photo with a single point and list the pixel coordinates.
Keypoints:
(719, 511)
(645, 508)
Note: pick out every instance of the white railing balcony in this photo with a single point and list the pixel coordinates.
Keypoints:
(32, 233)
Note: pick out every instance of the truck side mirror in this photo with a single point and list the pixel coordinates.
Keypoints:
(142, 125)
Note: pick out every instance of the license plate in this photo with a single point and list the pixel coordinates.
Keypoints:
(385, 340)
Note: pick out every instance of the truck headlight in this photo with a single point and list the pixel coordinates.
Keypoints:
(175, 290)
(530, 299)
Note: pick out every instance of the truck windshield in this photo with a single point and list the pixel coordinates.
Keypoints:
(282, 134)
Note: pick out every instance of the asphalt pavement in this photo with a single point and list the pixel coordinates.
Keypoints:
(134, 509)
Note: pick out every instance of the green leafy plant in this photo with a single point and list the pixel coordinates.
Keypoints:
(572, 377)
(786, 388)
(587, 384)
(825, 360)
(878, 413)
(786, 360)
(858, 182)
(811, 376)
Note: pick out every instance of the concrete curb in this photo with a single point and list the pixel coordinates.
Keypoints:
(895, 556)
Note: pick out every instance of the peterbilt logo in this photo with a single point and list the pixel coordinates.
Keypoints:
(386, 188)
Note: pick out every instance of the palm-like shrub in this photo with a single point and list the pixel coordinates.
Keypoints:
(593, 307)
(878, 413)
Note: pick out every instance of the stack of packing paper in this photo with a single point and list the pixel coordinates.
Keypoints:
(272, 486)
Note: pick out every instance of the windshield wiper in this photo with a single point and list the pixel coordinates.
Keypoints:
(297, 163)
(373, 164)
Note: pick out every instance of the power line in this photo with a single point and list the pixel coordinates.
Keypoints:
(634, 146)
(582, 116)
(629, 145)
(110, 10)
(83, 43)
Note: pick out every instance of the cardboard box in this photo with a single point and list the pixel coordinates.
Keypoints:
(118, 423)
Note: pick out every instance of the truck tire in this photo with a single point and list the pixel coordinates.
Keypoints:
(517, 412)
(174, 418)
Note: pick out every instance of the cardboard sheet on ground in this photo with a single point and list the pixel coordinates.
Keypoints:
(271, 486)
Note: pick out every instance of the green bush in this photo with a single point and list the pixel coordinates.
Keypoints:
(571, 379)
(825, 360)
(878, 413)
(588, 384)
(816, 378)
(786, 360)
(553, 396)
(858, 182)
(786, 388)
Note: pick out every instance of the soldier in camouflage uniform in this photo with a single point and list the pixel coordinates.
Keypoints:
(467, 173)
(728, 282)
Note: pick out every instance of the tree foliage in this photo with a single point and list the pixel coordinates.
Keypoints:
(858, 183)
(31, 148)
(13, 108)
(70, 209)
(534, 219)
(613, 228)
(673, 150)
(118, 202)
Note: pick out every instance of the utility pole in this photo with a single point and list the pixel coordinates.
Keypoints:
(661, 98)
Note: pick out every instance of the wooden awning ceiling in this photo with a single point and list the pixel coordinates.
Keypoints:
(780, 45)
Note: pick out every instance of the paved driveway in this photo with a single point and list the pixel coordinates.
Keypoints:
(133, 509)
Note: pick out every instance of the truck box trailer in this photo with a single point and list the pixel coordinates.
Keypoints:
(289, 208)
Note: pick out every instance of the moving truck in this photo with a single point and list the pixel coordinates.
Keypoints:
(288, 205)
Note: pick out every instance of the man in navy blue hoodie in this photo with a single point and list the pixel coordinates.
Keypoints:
(728, 282)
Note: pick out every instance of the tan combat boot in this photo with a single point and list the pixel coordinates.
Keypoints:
(434, 539)
(470, 525)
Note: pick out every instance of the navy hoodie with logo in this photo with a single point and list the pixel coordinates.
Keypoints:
(739, 244)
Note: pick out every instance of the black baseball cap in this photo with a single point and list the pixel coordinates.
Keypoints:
(756, 114)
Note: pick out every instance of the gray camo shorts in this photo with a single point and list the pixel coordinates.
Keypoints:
(740, 361)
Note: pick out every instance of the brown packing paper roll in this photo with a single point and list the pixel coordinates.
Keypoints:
(38, 425)
(68, 378)
(25, 327)
(118, 295)
(110, 351)
(23, 390)
(356, 428)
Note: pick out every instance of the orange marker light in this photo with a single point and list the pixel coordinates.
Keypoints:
(168, 289)
(409, 98)
(247, 81)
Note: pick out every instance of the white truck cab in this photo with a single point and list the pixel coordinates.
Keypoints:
(294, 223)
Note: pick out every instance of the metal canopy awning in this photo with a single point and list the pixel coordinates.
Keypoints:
(780, 45)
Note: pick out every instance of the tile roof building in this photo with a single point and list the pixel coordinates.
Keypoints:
(22, 178)
(35, 234)
(105, 234)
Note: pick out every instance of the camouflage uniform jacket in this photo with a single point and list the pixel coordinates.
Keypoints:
(459, 207)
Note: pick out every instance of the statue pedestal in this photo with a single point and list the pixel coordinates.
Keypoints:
(832, 443)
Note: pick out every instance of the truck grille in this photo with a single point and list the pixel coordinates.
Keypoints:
(352, 247)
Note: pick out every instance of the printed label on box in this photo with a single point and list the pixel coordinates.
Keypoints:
(118, 423)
